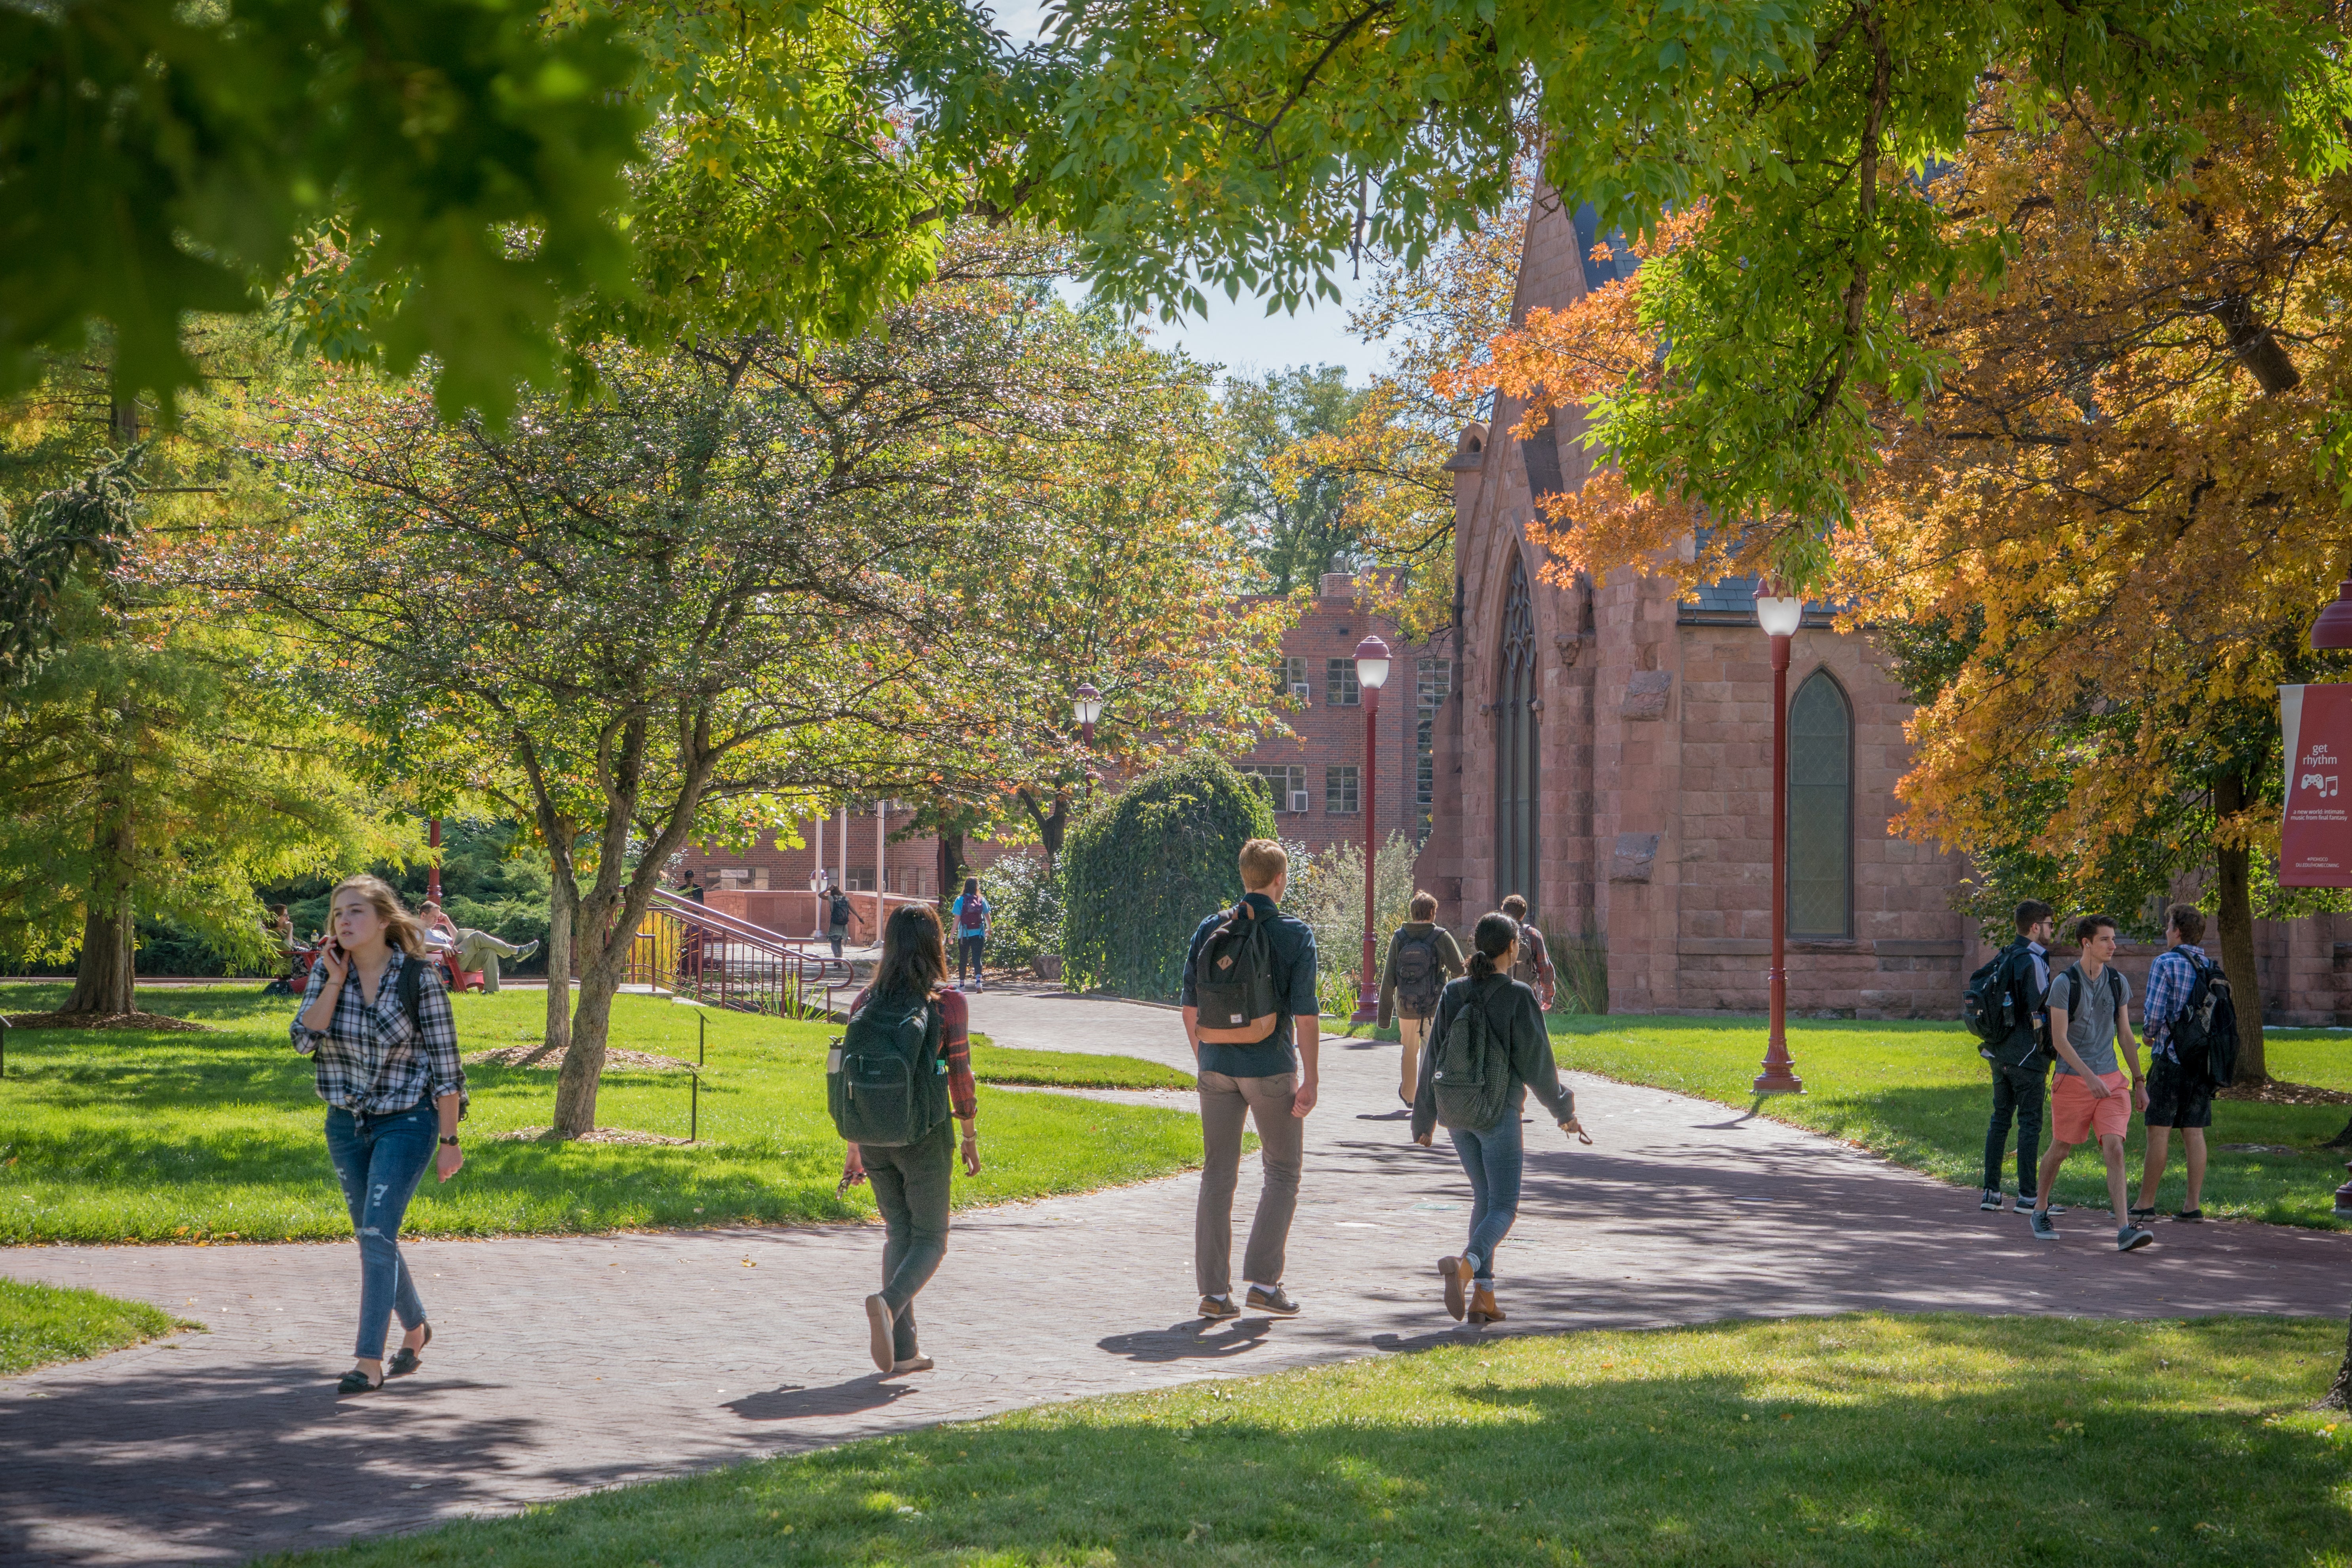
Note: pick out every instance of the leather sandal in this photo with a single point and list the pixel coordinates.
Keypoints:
(405, 1360)
(356, 1382)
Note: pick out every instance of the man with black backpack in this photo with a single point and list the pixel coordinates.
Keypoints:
(2188, 1003)
(1423, 956)
(1251, 1015)
(2003, 1008)
(2088, 1029)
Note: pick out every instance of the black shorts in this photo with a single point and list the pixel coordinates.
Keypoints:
(2174, 1099)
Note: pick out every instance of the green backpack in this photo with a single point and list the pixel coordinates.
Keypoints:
(886, 1080)
(1471, 1075)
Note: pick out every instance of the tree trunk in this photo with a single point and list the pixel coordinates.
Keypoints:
(2339, 1394)
(605, 960)
(102, 979)
(2235, 915)
(562, 902)
(1050, 831)
(950, 866)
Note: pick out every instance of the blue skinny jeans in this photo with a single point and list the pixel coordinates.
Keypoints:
(1493, 1160)
(380, 1160)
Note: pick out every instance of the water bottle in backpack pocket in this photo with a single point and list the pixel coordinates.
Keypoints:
(885, 1078)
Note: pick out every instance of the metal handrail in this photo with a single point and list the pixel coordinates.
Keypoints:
(695, 951)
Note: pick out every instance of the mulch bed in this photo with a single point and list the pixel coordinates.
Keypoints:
(2274, 1092)
(614, 1057)
(598, 1136)
(107, 1021)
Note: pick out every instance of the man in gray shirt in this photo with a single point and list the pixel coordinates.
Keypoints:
(2087, 1024)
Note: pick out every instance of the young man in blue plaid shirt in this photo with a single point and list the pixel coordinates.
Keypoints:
(2175, 1098)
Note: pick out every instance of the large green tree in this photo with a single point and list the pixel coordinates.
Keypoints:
(756, 576)
(1291, 511)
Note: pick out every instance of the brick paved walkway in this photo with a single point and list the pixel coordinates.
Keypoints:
(565, 1364)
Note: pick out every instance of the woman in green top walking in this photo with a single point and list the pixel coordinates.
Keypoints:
(1492, 1157)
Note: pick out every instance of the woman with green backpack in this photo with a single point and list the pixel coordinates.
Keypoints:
(896, 1081)
(1489, 1046)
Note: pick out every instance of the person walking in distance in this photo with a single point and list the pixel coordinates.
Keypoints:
(1488, 1047)
(2088, 1026)
(836, 917)
(899, 1083)
(376, 1024)
(2020, 1057)
(1533, 967)
(2176, 1096)
(1423, 956)
(1251, 1017)
(971, 912)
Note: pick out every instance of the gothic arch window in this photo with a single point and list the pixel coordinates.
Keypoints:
(1821, 809)
(1518, 770)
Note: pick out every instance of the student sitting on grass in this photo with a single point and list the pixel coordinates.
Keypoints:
(2176, 1097)
(1487, 1047)
(2086, 1024)
(376, 1024)
(909, 1007)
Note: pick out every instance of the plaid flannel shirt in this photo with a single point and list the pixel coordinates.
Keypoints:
(374, 1061)
(2168, 980)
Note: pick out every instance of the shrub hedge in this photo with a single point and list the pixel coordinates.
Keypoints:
(1139, 870)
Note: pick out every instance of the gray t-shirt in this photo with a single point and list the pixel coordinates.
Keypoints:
(2091, 1020)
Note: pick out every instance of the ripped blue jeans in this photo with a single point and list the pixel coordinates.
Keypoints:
(380, 1160)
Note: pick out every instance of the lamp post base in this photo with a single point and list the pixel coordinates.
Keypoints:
(1368, 1007)
(1779, 1074)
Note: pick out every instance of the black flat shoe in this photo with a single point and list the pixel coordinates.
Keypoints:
(2190, 1215)
(405, 1360)
(356, 1382)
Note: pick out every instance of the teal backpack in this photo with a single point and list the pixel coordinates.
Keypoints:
(1471, 1075)
(886, 1080)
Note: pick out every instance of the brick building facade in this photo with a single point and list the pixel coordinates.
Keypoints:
(1606, 750)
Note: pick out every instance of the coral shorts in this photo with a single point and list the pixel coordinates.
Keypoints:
(2075, 1113)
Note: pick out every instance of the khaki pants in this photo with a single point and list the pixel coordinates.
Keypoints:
(1226, 1103)
(1414, 1032)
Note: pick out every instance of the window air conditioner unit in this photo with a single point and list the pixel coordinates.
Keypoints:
(1298, 800)
(1298, 689)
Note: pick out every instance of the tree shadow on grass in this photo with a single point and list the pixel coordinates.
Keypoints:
(1864, 1441)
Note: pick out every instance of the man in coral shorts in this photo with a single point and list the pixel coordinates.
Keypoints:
(2087, 1024)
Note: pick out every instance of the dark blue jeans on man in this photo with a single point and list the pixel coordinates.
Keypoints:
(380, 1160)
(2016, 1093)
(1494, 1161)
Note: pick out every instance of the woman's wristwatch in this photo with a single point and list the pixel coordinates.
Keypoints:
(449, 1143)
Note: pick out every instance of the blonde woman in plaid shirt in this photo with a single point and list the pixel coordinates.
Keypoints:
(376, 1023)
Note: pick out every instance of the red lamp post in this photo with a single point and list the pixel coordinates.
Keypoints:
(1371, 674)
(1779, 613)
(433, 872)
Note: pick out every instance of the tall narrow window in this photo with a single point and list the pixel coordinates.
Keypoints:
(1434, 678)
(1821, 810)
(1517, 775)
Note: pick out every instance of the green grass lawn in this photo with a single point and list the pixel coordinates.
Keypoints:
(44, 1323)
(1854, 1441)
(1070, 1069)
(123, 1135)
(1919, 1094)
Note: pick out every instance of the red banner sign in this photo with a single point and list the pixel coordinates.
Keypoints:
(2315, 838)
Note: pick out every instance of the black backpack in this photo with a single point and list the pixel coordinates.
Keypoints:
(1988, 1011)
(2205, 1034)
(1232, 981)
(885, 1078)
(1417, 975)
(1471, 1074)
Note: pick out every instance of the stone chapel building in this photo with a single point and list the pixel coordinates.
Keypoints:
(1605, 749)
(1606, 752)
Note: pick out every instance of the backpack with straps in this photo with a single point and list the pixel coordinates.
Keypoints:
(2114, 989)
(972, 914)
(2205, 1034)
(1417, 974)
(1988, 1009)
(1232, 981)
(885, 1078)
(1471, 1073)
